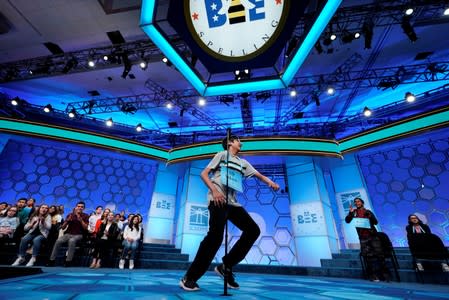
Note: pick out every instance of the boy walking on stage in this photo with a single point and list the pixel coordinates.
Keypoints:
(219, 212)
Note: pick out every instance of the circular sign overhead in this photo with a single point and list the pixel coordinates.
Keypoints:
(235, 30)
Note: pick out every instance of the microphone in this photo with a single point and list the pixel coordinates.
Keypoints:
(228, 136)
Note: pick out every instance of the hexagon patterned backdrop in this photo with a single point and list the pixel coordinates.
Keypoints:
(59, 173)
(410, 176)
(271, 211)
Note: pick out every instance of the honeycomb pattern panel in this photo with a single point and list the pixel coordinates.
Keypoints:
(57, 174)
(271, 211)
(409, 177)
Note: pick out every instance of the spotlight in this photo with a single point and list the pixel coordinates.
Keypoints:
(293, 93)
(15, 101)
(333, 37)
(126, 65)
(356, 35)
(143, 65)
(166, 61)
(263, 96)
(446, 12)
(409, 11)
(72, 113)
(408, 29)
(226, 99)
(367, 112)
(105, 58)
(201, 101)
(30, 72)
(109, 122)
(410, 97)
(91, 63)
(128, 108)
(330, 91)
(367, 30)
(169, 105)
(139, 127)
(71, 63)
(242, 74)
(347, 37)
(48, 108)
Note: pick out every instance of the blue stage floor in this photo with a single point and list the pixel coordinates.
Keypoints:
(83, 284)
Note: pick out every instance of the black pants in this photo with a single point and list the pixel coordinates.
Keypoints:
(212, 241)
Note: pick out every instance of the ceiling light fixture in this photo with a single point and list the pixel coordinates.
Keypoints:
(72, 113)
(15, 101)
(409, 11)
(408, 29)
(48, 108)
(367, 112)
(446, 12)
(410, 97)
(330, 91)
(169, 105)
(293, 93)
(109, 122)
(139, 127)
(201, 101)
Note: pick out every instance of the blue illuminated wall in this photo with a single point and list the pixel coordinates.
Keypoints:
(409, 176)
(60, 173)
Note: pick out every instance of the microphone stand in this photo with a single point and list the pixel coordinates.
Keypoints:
(225, 277)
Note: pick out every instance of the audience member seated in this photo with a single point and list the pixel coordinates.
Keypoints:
(8, 224)
(76, 225)
(105, 238)
(93, 220)
(131, 237)
(416, 228)
(370, 244)
(3, 208)
(23, 213)
(38, 227)
(101, 220)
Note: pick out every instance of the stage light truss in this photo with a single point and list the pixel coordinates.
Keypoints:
(351, 19)
(382, 13)
(77, 61)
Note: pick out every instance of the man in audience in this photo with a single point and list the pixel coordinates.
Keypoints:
(76, 224)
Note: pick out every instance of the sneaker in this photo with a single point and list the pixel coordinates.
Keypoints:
(189, 285)
(131, 264)
(445, 267)
(31, 262)
(20, 260)
(220, 270)
(121, 264)
(419, 267)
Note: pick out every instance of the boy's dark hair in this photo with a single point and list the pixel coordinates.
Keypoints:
(81, 202)
(224, 142)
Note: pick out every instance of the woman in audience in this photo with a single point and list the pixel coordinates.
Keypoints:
(8, 224)
(416, 226)
(38, 227)
(131, 237)
(101, 220)
(56, 217)
(105, 238)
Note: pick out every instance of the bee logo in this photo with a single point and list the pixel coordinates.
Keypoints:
(235, 10)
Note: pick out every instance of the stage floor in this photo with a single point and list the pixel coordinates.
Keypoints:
(76, 283)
